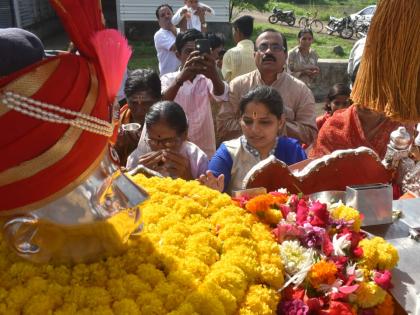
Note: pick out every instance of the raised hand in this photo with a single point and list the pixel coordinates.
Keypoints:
(177, 165)
(213, 182)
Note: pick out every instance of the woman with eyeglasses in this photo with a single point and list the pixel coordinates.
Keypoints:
(338, 98)
(163, 146)
(261, 117)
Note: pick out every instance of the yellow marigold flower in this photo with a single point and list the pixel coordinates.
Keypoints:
(369, 294)
(322, 272)
(224, 295)
(149, 303)
(205, 302)
(348, 214)
(378, 254)
(259, 232)
(197, 254)
(149, 274)
(230, 277)
(125, 306)
(260, 300)
(388, 256)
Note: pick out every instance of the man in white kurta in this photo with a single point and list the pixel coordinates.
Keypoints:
(165, 41)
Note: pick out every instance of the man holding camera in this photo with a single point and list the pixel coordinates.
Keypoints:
(194, 85)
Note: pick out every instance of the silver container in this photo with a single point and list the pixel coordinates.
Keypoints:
(92, 221)
(374, 201)
(329, 196)
(132, 127)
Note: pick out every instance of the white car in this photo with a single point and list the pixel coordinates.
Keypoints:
(364, 15)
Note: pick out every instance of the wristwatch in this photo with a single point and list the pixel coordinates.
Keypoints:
(204, 24)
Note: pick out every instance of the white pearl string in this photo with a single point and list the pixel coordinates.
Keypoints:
(42, 111)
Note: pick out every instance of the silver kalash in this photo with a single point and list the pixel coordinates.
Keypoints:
(92, 221)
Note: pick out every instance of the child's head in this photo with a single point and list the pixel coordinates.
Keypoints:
(262, 116)
(337, 98)
(193, 4)
(166, 126)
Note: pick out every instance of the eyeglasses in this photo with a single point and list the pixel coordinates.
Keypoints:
(168, 142)
(273, 47)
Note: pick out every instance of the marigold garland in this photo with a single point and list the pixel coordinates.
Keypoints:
(197, 254)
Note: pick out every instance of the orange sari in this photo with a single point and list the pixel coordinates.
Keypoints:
(351, 128)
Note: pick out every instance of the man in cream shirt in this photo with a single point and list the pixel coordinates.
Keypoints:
(240, 59)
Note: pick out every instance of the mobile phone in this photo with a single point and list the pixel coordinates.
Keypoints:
(202, 45)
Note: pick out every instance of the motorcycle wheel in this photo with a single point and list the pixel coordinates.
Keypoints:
(330, 28)
(317, 26)
(361, 31)
(346, 33)
(272, 19)
(303, 21)
(291, 21)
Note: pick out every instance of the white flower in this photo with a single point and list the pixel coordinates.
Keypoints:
(294, 256)
(357, 273)
(282, 190)
(333, 288)
(300, 275)
(340, 244)
(291, 217)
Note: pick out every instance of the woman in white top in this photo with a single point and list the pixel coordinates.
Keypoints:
(303, 60)
(165, 148)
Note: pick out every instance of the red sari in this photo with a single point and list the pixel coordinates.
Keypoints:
(344, 131)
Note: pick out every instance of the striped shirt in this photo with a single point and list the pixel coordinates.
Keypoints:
(239, 60)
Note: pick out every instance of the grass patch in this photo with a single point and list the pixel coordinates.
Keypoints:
(144, 53)
(323, 43)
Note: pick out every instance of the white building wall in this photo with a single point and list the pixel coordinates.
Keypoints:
(137, 10)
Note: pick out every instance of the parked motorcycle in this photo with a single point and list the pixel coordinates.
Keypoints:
(342, 26)
(279, 15)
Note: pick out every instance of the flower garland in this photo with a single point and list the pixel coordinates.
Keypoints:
(198, 254)
(330, 265)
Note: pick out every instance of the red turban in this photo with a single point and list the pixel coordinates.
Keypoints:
(44, 157)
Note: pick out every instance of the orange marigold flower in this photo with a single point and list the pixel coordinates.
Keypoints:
(385, 308)
(260, 204)
(322, 272)
(279, 198)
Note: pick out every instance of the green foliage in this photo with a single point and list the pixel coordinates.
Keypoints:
(323, 43)
(144, 55)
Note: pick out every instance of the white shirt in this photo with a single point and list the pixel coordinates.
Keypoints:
(194, 20)
(355, 56)
(168, 62)
(198, 159)
(194, 98)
